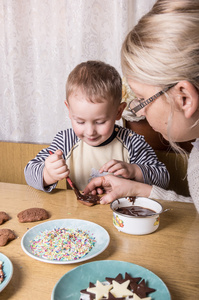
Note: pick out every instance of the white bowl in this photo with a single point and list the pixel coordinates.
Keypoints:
(137, 225)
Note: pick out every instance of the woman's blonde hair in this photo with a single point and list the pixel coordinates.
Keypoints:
(163, 48)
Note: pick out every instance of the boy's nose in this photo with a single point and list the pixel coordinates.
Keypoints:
(90, 129)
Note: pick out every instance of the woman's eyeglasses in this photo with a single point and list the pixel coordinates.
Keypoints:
(137, 104)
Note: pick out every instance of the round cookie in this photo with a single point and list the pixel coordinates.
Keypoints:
(6, 235)
(33, 215)
(3, 217)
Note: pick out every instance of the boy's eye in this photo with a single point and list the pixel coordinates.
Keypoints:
(83, 122)
(100, 122)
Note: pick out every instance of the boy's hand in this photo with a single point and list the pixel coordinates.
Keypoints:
(55, 168)
(120, 168)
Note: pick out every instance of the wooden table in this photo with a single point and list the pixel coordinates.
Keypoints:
(172, 252)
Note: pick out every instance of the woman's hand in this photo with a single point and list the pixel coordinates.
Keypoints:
(55, 168)
(115, 187)
(121, 168)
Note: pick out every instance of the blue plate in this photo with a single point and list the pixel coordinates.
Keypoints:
(69, 286)
(100, 234)
(7, 269)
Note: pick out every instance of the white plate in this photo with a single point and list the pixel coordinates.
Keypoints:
(70, 284)
(100, 234)
(7, 270)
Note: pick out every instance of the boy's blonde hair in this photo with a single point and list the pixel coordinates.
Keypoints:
(163, 48)
(98, 80)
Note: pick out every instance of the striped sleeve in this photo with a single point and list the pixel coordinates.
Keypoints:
(142, 154)
(64, 140)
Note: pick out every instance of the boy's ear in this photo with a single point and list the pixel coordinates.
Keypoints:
(187, 98)
(66, 103)
(120, 110)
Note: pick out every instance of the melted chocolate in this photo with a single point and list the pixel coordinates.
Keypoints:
(86, 199)
(135, 211)
(132, 199)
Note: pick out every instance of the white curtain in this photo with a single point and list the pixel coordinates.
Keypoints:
(41, 41)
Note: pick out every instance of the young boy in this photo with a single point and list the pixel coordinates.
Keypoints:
(95, 145)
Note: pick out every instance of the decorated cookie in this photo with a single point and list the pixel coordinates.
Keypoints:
(33, 215)
(136, 297)
(132, 279)
(100, 290)
(141, 289)
(3, 217)
(118, 278)
(111, 297)
(6, 235)
(121, 290)
(118, 288)
(88, 200)
(85, 292)
(1, 272)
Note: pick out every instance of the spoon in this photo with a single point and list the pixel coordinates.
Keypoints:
(88, 200)
(155, 213)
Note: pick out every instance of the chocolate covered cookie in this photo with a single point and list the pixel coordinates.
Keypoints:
(6, 235)
(1, 272)
(33, 215)
(3, 217)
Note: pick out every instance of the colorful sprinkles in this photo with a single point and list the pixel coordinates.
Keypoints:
(62, 244)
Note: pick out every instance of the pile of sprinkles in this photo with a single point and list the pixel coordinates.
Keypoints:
(62, 244)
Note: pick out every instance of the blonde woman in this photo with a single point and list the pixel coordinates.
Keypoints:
(160, 59)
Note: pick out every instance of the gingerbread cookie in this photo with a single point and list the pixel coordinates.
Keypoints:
(6, 235)
(3, 217)
(33, 215)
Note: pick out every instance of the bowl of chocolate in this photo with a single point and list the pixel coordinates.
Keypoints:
(136, 216)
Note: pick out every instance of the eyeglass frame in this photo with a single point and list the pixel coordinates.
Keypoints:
(147, 101)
